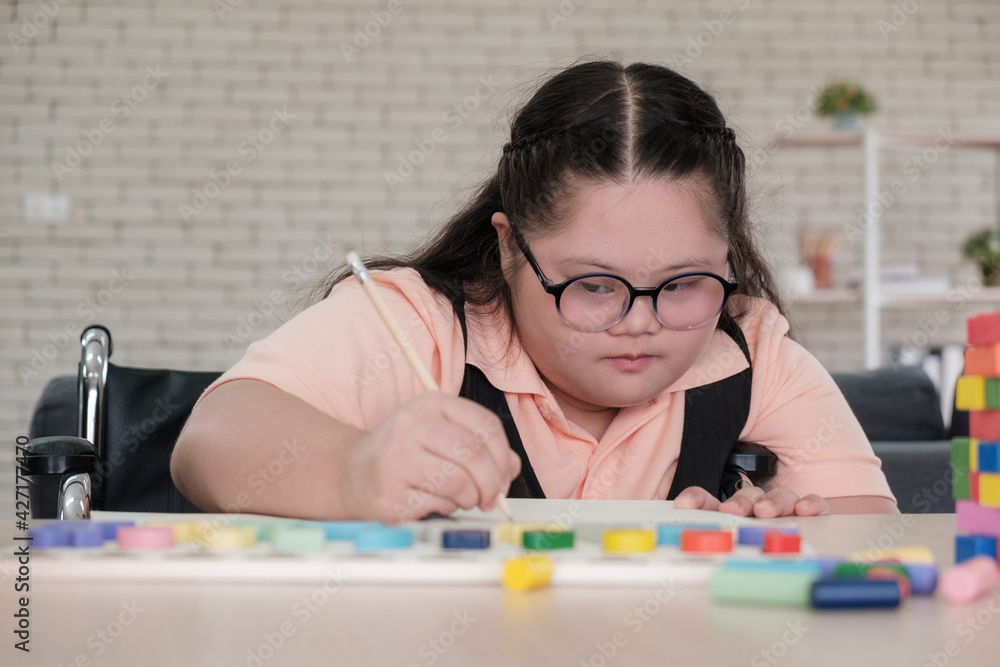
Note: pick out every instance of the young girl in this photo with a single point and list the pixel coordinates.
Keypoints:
(598, 319)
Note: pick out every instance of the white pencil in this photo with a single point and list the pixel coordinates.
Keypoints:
(371, 289)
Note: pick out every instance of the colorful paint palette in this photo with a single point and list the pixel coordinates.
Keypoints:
(684, 547)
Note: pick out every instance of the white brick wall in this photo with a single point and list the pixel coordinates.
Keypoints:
(322, 176)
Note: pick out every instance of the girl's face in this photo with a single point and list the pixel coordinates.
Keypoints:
(645, 232)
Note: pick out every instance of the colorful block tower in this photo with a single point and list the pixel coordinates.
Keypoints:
(975, 461)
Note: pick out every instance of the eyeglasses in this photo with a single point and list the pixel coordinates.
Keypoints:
(598, 301)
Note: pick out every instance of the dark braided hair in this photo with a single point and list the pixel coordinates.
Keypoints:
(594, 122)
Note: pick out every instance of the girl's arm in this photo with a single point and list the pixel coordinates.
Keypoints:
(250, 447)
(862, 505)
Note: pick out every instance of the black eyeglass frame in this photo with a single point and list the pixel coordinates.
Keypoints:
(556, 290)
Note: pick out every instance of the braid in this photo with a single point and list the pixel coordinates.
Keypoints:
(548, 138)
(719, 131)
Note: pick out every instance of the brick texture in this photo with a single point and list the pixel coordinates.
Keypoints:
(274, 123)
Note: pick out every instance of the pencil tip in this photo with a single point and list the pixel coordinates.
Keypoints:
(357, 266)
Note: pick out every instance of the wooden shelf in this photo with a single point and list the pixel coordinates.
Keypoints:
(825, 296)
(871, 297)
(888, 140)
(901, 298)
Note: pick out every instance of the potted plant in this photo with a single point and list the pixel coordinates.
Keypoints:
(844, 101)
(983, 248)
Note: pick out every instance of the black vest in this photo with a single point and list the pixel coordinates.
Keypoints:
(714, 416)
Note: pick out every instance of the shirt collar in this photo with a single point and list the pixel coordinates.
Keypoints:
(504, 362)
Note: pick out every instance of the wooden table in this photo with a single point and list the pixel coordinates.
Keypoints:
(142, 623)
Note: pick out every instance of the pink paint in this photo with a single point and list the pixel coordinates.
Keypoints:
(146, 537)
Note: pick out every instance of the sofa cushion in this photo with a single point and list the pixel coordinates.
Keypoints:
(894, 403)
(57, 411)
(919, 474)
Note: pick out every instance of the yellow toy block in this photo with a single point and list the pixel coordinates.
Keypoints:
(527, 572)
(970, 392)
(989, 489)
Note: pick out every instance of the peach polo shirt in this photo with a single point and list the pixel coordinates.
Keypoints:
(338, 357)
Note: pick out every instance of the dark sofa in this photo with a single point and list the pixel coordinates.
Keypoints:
(898, 408)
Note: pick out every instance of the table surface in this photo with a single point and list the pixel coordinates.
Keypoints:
(132, 623)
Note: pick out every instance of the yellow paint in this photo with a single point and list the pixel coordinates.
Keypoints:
(629, 541)
(184, 531)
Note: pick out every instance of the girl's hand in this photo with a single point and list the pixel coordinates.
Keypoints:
(753, 501)
(435, 453)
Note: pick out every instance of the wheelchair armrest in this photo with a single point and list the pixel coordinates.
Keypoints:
(756, 462)
(93, 377)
